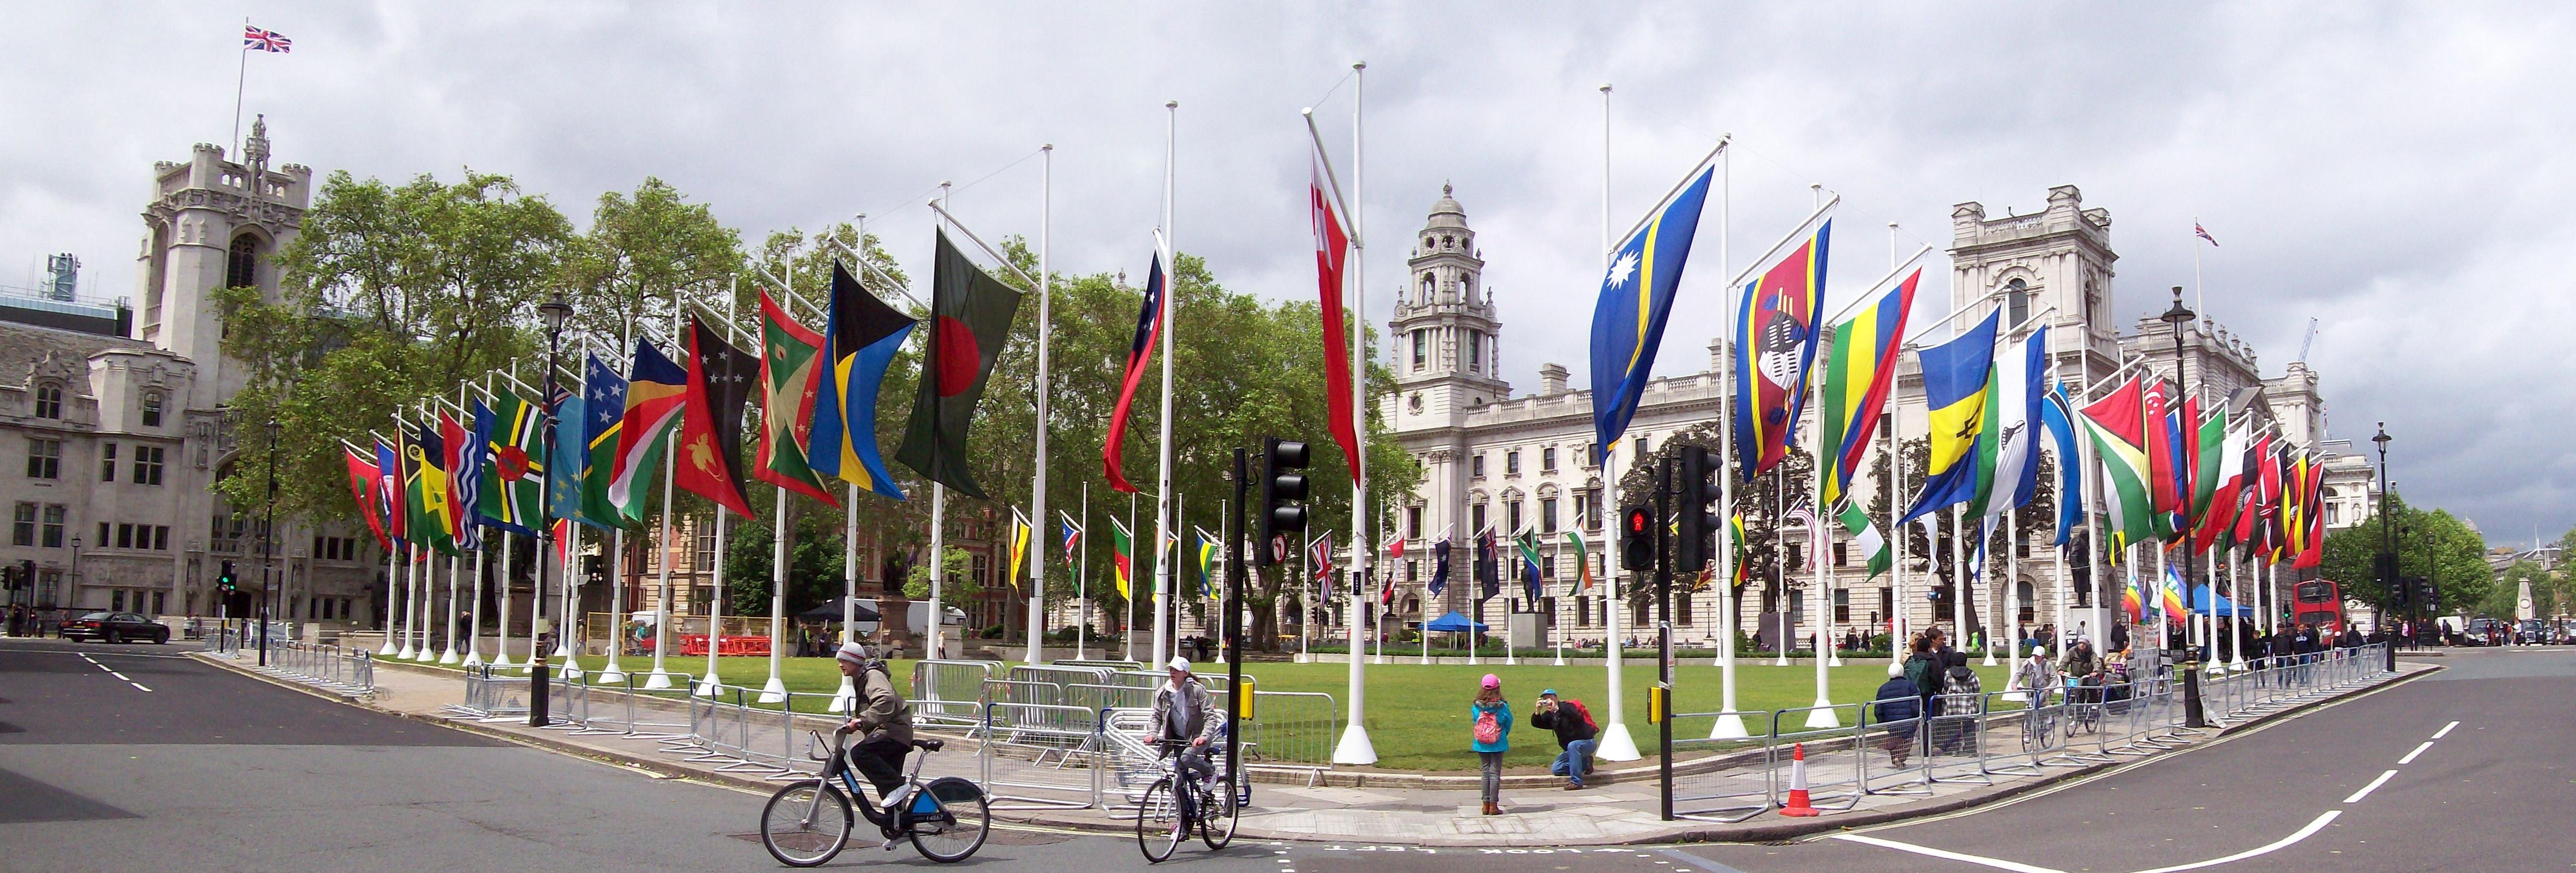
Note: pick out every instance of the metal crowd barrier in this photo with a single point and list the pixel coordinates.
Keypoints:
(1111, 665)
(1954, 747)
(1288, 728)
(327, 667)
(1058, 675)
(1836, 767)
(950, 680)
(1108, 697)
(1730, 795)
(1036, 756)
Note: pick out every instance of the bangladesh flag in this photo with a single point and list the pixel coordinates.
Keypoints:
(515, 438)
(971, 320)
(791, 372)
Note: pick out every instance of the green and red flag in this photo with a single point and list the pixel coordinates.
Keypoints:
(791, 377)
(365, 487)
(971, 320)
(720, 378)
(513, 480)
(2117, 424)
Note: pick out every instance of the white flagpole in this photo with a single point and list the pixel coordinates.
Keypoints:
(1082, 587)
(775, 690)
(404, 616)
(1355, 747)
(393, 615)
(501, 657)
(447, 653)
(1616, 744)
(716, 597)
(568, 626)
(1959, 546)
(1163, 476)
(612, 674)
(474, 608)
(1730, 724)
(1821, 538)
(416, 641)
(241, 77)
(1127, 598)
(1038, 500)
(847, 694)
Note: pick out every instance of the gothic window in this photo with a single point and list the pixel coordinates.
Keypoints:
(152, 410)
(2016, 303)
(49, 400)
(241, 265)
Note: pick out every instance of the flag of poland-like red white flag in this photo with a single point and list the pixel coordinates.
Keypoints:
(1331, 244)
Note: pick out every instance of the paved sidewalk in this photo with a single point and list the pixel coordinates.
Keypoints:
(1420, 812)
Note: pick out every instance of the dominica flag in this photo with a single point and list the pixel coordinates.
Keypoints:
(861, 336)
(1636, 300)
(791, 377)
(2117, 423)
(654, 389)
(1954, 387)
(1865, 537)
(1859, 368)
(1774, 343)
(514, 432)
(1122, 558)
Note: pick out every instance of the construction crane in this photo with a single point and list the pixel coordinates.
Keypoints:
(2309, 341)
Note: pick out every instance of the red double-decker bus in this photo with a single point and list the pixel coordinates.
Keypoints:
(2318, 602)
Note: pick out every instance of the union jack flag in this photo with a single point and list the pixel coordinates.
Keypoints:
(2198, 231)
(265, 40)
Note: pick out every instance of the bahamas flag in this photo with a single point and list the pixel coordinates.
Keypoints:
(1859, 367)
(1774, 343)
(1954, 385)
(860, 337)
(1636, 299)
(2057, 416)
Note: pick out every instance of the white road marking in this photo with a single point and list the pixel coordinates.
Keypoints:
(1996, 863)
(2445, 731)
(1697, 861)
(2373, 786)
(2410, 756)
(138, 686)
(2284, 842)
(118, 675)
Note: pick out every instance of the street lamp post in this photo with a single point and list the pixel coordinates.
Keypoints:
(267, 544)
(2391, 594)
(554, 312)
(2179, 317)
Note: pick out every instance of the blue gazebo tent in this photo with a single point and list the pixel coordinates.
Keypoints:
(1454, 623)
(2201, 596)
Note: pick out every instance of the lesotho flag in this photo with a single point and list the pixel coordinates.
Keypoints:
(1636, 300)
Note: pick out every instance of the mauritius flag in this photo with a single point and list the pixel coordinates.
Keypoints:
(1859, 367)
(1775, 341)
(1636, 300)
(860, 337)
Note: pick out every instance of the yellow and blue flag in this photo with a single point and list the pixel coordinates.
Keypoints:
(1775, 341)
(1859, 369)
(860, 338)
(1954, 386)
(1636, 299)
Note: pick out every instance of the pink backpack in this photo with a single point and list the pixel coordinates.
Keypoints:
(1489, 730)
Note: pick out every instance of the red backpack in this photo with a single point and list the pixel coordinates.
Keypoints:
(1586, 713)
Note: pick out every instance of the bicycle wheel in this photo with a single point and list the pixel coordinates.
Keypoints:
(802, 830)
(1217, 815)
(1158, 822)
(957, 829)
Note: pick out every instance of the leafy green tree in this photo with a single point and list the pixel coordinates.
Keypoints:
(814, 565)
(957, 587)
(2431, 544)
(2503, 600)
(388, 295)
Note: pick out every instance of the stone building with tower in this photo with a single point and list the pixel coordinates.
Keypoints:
(114, 418)
(1493, 459)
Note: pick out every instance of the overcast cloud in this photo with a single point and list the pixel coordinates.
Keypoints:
(2397, 172)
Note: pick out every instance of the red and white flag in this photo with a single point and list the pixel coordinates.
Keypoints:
(265, 40)
(2203, 233)
(1331, 244)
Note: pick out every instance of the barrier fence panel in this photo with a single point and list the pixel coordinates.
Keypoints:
(1113, 666)
(1037, 757)
(2024, 737)
(1058, 675)
(1286, 728)
(951, 680)
(1096, 697)
(1954, 739)
(1725, 794)
(1837, 768)
(1022, 691)
(1898, 741)
(1128, 764)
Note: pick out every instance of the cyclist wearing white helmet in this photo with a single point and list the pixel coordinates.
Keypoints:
(1185, 711)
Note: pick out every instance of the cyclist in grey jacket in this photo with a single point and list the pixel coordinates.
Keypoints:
(1184, 710)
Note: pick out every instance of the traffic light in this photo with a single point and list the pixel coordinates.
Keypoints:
(1283, 497)
(1697, 528)
(1637, 538)
(224, 580)
(2428, 595)
(2400, 593)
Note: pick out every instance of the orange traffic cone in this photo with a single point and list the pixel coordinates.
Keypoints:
(1798, 805)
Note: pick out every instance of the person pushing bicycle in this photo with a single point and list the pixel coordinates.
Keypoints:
(1184, 711)
(881, 718)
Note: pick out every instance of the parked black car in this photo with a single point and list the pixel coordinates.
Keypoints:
(115, 627)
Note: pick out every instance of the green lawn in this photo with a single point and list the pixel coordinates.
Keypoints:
(1417, 714)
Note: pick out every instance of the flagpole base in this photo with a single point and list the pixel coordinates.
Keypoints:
(707, 687)
(1822, 715)
(475, 659)
(388, 650)
(1990, 656)
(843, 698)
(1782, 660)
(1836, 660)
(503, 662)
(450, 656)
(1730, 726)
(773, 692)
(1511, 658)
(657, 680)
(405, 653)
(571, 671)
(1354, 748)
(610, 674)
(1616, 745)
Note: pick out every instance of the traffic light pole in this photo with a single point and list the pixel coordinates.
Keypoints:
(1234, 575)
(1664, 628)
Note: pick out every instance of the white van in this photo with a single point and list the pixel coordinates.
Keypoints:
(916, 616)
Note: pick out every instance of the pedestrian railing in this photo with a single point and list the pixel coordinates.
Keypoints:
(1036, 756)
(1111, 665)
(1288, 729)
(331, 668)
(1954, 745)
(1721, 795)
(951, 680)
(1836, 762)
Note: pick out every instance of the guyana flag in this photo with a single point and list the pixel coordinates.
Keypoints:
(791, 372)
(1122, 558)
(515, 435)
(425, 489)
(972, 319)
(2118, 426)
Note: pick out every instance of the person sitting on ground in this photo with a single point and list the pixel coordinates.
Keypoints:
(1900, 704)
(1185, 711)
(1576, 736)
(883, 720)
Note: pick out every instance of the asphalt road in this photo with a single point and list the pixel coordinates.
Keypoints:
(119, 757)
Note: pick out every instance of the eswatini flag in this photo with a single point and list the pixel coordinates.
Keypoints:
(1149, 327)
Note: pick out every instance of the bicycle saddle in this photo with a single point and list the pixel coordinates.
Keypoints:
(928, 745)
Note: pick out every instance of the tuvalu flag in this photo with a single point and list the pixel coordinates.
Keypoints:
(1860, 366)
(654, 388)
(1775, 342)
(791, 378)
(1636, 300)
(1954, 387)
(860, 338)
(720, 378)
(972, 314)
(1140, 352)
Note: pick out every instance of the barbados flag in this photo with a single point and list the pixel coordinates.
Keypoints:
(1775, 341)
(860, 338)
(1954, 387)
(1636, 299)
(1859, 367)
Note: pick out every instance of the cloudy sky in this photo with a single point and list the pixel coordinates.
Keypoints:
(2397, 172)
